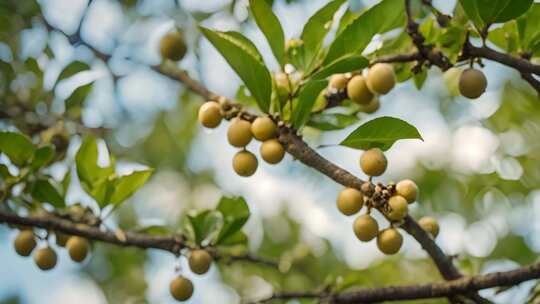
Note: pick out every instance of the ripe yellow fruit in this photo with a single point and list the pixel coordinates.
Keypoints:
(365, 228)
(472, 83)
(372, 106)
(245, 163)
(61, 238)
(430, 225)
(199, 261)
(239, 133)
(210, 114)
(25, 242)
(398, 208)
(389, 241)
(350, 201)
(373, 162)
(358, 91)
(181, 288)
(338, 81)
(78, 248)
(381, 78)
(45, 258)
(272, 151)
(172, 46)
(263, 128)
(408, 189)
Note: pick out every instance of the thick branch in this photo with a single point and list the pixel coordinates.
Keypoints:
(521, 64)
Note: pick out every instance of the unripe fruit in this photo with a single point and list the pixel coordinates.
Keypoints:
(358, 91)
(45, 258)
(61, 238)
(282, 85)
(245, 163)
(181, 288)
(239, 133)
(199, 261)
(408, 189)
(372, 106)
(373, 162)
(172, 46)
(350, 201)
(472, 83)
(210, 114)
(338, 81)
(389, 241)
(365, 228)
(430, 225)
(381, 78)
(263, 128)
(25, 242)
(272, 151)
(78, 248)
(398, 208)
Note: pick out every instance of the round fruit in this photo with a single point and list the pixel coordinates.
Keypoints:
(373, 162)
(272, 151)
(398, 207)
(45, 258)
(358, 91)
(338, 81)
(25, 242)
(61, 238)
(430, 225)
(365, 227)
(181, 288)
(350, 201)
(282, 85)
(472, 83)
(239, 133)
(372, 106)
(245, 163)
(199, 261)
(78, 248)
(389, 241)
(263, 128)
(172, 46)
(210, 114)
(381, 78)
(408, 189)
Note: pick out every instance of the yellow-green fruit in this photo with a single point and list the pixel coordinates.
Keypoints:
(210, 114)
(408, 189)
(365, 227)
(172, 46)
(199, 261)
(338, 81)
(373, 162)
(272, 151)
(358, 91)
(372, 106)
(263, 128)
(25, 242)
(282, 85)
(239, 133)
(381, 78)
(61, 238)
(78, 248)
(472, 83)
(398, 208)
(350, 201)
(430, 225)
(245, 163)
(181, 288)
(389, 241)
(45, 258)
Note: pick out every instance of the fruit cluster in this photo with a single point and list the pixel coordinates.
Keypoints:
(45, 257)
(181, 288)
(391, 200)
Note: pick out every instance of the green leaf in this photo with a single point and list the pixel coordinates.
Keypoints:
(420, 78)
(381, 133)
(528, 29)
(17, 147)
(238, 238)
(42, 156)
(505, 37)
(347, 18)
(235, 213)
(386, 15)
(65, 182)
(74, 102)
(72, 69)
(486, 12)
(270, 26)
(342, 65)
(246, 43)
(253, 73)
(306, 100)
(204, 224)
(43, 191)
(5, 174)
(331, 122)
(86, 160)
(126, 185)
(317, 27)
